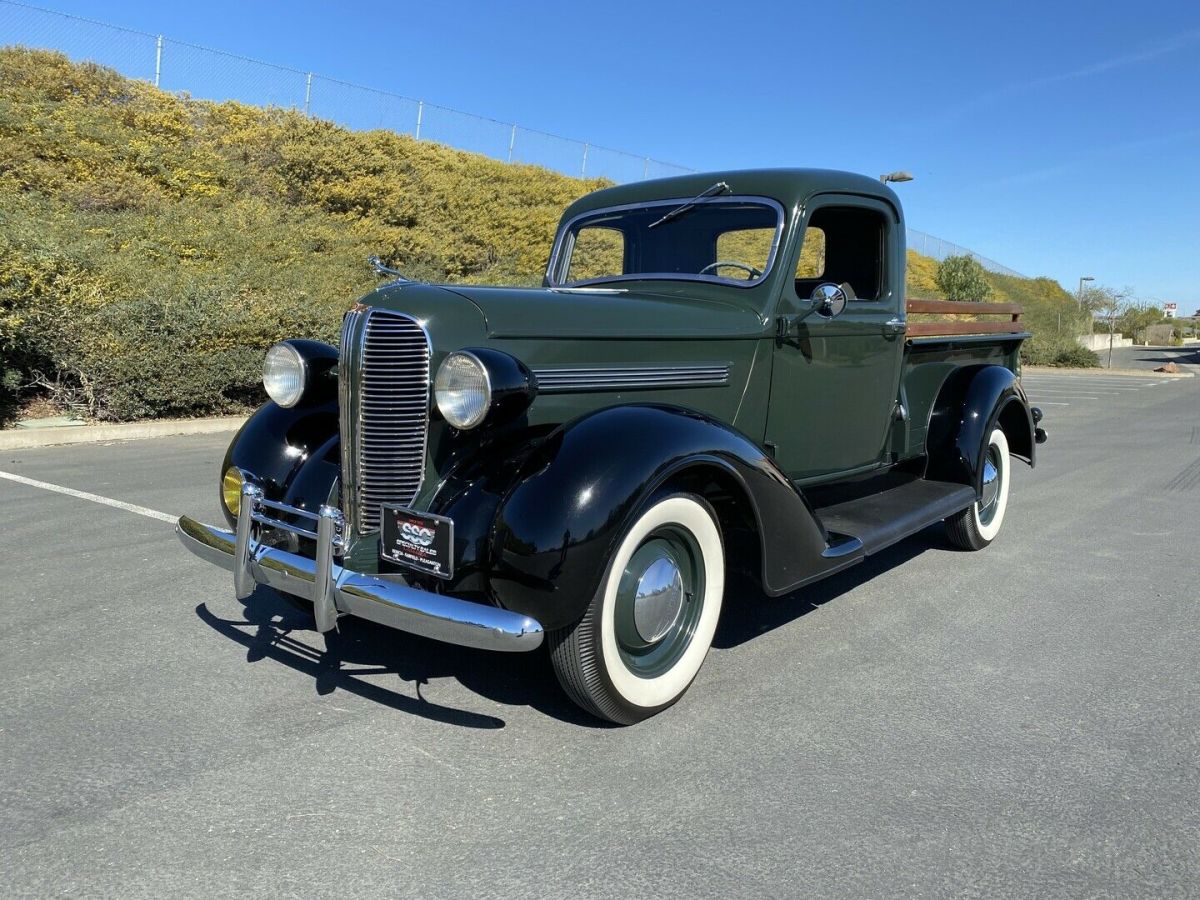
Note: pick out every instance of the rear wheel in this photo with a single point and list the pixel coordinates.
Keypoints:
(977, 525)
(647, 630)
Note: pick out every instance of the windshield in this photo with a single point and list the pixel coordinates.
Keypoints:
(731, 240)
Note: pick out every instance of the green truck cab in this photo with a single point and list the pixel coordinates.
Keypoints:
(719, 374)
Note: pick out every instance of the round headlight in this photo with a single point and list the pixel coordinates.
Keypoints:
(462, 390)
(284, 374)
(231, 489)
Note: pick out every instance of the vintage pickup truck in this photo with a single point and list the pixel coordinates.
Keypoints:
(719, 374)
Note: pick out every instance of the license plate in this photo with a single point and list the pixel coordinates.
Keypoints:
(417, 540)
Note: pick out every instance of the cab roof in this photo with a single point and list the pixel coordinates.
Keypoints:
(789, 187)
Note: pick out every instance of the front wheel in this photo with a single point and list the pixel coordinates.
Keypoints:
(977, 525)
(647, 630)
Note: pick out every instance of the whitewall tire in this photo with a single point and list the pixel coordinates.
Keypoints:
(649, 627)
(977, 526)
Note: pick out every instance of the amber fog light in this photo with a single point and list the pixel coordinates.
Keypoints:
(231, 489)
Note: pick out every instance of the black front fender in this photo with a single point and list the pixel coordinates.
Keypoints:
(574, 496)
(292, 454)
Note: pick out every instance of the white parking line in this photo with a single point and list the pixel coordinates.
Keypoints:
(1126, 379)
(1035, 391)
(1050, 403)
(1126, 382)
(95, 498)
(1089, 388)
(1108, 385)
(1114, 382)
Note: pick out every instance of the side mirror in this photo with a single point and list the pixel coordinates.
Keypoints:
(828, 300)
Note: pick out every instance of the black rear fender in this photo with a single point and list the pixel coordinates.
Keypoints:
(970, 404)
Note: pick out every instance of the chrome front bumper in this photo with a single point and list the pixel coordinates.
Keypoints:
(334, 590)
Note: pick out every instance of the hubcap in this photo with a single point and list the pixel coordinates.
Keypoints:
(658, 600)
(991, 486)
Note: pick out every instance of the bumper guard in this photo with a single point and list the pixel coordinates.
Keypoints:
(335, 590)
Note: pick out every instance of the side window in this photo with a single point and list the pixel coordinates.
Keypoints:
(812, 254)
(749, 246)
(598, 253)
(844, 245)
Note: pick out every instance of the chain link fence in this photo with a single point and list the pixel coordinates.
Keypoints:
(216, 75)
(936, 248)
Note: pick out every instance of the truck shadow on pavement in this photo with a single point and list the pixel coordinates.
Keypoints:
(744, 621)
(358, 657)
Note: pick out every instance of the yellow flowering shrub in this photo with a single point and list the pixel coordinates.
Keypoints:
(152, 245)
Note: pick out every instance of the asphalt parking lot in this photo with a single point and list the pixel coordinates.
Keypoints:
(1021, 721)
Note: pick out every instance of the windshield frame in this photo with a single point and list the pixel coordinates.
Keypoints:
(564, 244)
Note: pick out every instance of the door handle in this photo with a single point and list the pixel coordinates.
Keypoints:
(893, 327)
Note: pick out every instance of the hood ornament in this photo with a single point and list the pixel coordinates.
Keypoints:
(380, 269)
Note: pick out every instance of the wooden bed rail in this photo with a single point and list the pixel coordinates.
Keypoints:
(957, 308)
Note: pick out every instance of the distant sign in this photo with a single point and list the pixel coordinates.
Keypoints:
(1170, 310)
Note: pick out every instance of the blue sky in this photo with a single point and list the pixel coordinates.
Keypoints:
(1057, 138)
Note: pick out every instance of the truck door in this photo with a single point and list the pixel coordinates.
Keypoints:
(835, 381)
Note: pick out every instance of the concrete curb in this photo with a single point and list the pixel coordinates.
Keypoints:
(23, 439)
(1134, 373)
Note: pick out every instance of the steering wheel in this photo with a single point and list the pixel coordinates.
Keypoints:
(752, 271)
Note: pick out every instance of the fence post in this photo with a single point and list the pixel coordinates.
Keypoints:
(307, 93)
(157, 59)
(583, 170)
(420, 115)
(512, 139)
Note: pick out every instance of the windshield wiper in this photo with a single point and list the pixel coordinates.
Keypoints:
(719, 188)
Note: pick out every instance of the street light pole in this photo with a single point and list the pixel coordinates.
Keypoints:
(1079, 295)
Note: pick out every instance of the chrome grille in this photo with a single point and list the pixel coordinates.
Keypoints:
(385, 412)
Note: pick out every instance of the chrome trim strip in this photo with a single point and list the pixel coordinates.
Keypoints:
(348, 414)
(335, 590)
(284, 526)
(588, 290)
(565, 379)
(289, 510)
(564, 243)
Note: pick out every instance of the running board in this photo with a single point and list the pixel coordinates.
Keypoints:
(868, 524)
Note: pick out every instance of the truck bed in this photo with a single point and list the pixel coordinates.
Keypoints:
(934, 348)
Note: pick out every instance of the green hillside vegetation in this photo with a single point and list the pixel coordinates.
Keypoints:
(1051, 314)
(152, 245)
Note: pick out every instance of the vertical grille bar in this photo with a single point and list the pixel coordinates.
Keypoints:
(385, 413)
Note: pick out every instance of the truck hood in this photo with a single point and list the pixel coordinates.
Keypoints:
(450, 319)
(566, 314)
